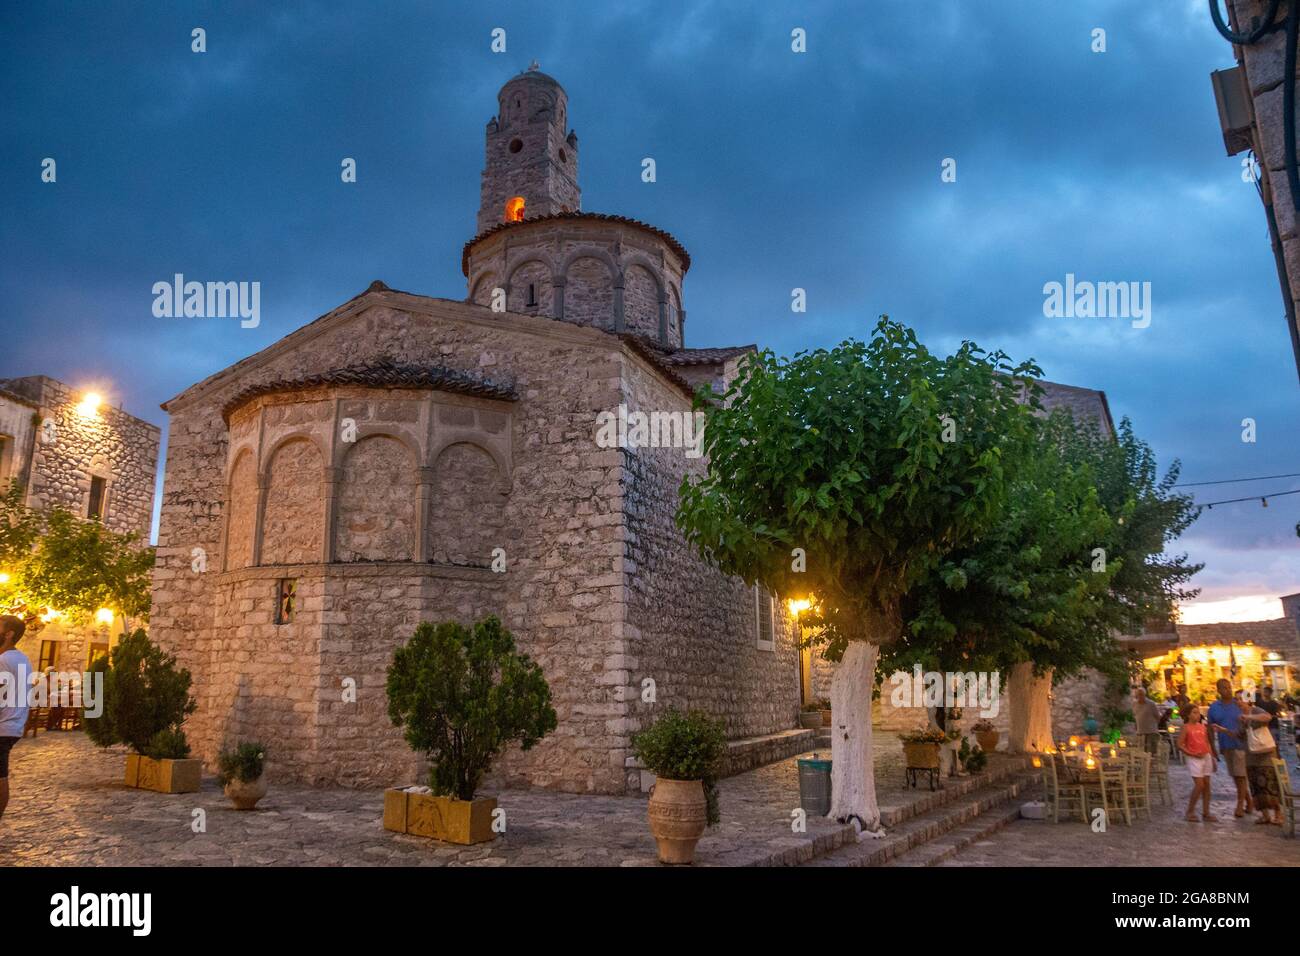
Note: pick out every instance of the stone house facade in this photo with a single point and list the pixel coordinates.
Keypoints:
(72, 452)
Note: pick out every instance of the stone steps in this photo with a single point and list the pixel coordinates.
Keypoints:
(935, 830)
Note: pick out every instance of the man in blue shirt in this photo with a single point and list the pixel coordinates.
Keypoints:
(1225, 717)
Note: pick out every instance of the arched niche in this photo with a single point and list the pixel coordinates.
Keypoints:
(375, 498)
(293, 516)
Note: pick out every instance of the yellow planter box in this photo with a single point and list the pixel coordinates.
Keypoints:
(163, 776)
(442, 818)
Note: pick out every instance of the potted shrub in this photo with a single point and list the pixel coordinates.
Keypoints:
(146, 698)
(825, 711)
(810, 716)
(683, 751)
(987, 735)
(462, 695)
(973, 759)
(240, 773)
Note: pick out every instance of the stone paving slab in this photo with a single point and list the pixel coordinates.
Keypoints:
(69, 807)
(1165, 840)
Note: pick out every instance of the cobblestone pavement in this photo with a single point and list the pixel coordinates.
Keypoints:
(1166, 840)
(69, 806)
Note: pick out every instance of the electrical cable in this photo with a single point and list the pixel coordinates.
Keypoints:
(1233, 481)
(1267, 25)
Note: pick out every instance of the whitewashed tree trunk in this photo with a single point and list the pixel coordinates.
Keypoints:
(853, 782)
(1031, 709)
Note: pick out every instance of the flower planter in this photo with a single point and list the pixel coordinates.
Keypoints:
(826, 718)
(988, 740)
(163, 776)
(810, 719)
(245, 794)
(921, 756)
(678, 814)
(441, 818)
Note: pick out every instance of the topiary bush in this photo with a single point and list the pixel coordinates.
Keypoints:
(463, 694)
(144, 694)
(685, 746)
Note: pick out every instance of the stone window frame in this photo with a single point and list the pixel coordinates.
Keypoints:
(760, 594)
(105, 499)
(7, 446)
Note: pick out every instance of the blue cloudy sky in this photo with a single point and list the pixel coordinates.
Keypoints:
(776, 170)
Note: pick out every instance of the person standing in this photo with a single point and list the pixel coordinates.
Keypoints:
(15, 671)
(1193, 740)
(1261, 747)
(1146, 715)
(1225, 719)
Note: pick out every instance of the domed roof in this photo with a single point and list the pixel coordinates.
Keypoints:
(534, 74)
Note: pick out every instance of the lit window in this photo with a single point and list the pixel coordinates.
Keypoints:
(515, 209)
(286, 600)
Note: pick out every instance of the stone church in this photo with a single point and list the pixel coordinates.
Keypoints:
(407, 458)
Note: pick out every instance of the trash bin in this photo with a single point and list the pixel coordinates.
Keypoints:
(815, 786)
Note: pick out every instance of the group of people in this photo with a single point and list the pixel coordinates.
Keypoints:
(1241, 734)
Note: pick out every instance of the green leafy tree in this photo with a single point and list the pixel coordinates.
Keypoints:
(851, 474)
(145, 694)
(80, 566)
(1076, 558)
(1028, 595)
(462, 694)
(20, 529)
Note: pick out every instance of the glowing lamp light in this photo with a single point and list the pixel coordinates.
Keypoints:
(1090, 763)
(89, 406)
(1123, 743)
(104, 615)
(4, 577)
(1037, 762)
(515, 209)
(1114, 752)
(50, 615)
(1074, 742)
(798, 606)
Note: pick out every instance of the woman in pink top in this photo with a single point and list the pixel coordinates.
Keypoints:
(1194, 742)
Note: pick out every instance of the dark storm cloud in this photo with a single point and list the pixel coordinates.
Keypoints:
(776, 170)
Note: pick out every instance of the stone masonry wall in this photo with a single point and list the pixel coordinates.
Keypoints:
(689, 628)
(586, 272)
(560, 595)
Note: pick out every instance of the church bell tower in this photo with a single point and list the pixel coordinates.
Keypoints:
(531, 164)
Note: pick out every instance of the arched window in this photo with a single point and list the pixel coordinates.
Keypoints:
(515, 209)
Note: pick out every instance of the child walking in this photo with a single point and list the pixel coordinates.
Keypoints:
(1194, 742)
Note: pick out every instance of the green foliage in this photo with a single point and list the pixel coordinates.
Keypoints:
(169, 744)
(842, 453)
(245, 763)
(80, 566)
(684, 746)
(973, 758)
(144, 693)
(462, 695)
(1113, 722)
(1076, 557)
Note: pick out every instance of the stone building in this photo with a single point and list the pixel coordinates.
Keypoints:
(407, 458)
(362, 474)
(70, 450)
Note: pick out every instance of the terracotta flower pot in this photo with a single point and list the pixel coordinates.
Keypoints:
(678, 814)
(244, 795)
(988, 740)
(826, 718)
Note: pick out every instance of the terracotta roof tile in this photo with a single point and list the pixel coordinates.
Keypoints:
(667, 237)
(381, 374)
